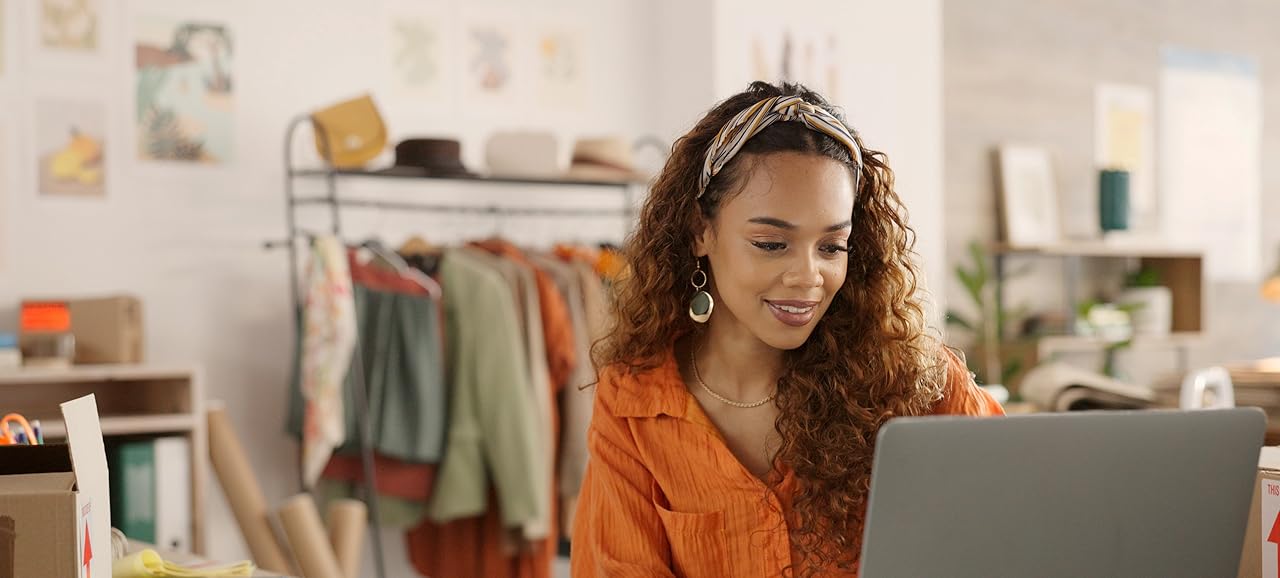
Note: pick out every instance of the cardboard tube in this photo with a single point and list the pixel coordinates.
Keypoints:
(305, 531)
(240, 485)
(347, 521)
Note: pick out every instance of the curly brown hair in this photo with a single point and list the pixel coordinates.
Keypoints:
(868, 359)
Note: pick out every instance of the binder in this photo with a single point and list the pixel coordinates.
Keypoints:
(132, 477)
(173, 494)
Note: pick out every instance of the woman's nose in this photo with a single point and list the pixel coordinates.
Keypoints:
(804, 273)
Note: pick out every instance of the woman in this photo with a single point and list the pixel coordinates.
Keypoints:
(769, 326)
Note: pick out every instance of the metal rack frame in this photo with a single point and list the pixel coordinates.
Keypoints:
(331, 177)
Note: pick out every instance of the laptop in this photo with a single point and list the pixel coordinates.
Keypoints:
(1141, 493)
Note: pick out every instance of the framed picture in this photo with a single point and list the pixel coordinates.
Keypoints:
(1030, 214)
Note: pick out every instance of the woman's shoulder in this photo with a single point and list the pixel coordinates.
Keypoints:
(639, 388)
(960, 393)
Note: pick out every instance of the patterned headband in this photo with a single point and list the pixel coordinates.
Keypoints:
(759, 116)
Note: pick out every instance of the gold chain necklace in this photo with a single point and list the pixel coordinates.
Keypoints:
(693, 361)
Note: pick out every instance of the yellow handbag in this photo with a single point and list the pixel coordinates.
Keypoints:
(350, 133)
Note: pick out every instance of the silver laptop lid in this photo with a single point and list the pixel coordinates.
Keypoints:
(1154, 493)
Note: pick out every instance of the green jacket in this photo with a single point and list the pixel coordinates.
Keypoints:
(492, 421)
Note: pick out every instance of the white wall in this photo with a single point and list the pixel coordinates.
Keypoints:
(187, 239)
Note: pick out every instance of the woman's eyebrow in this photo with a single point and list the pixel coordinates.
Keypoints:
(784, 225)
(772, 222)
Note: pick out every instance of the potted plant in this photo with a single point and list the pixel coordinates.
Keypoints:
(995, 363)
(1150, 303)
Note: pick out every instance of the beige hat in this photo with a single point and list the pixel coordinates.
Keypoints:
(523, 154)
(607, 158)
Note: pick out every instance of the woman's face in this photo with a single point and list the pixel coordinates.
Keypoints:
(778, 249)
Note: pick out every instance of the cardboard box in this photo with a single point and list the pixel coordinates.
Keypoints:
(55, 518)
(106, 330)
(1262, 545)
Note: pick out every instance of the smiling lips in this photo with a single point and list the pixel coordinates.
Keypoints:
(794, 313)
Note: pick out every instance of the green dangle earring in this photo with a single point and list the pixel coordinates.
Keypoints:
(702, 304)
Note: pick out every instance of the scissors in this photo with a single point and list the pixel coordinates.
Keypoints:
(10, 437)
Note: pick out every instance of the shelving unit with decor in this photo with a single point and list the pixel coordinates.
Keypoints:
(1181, 270)
(133, 401)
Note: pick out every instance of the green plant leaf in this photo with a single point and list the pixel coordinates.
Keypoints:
(972, 285)
(1144, 277)
(979, 257)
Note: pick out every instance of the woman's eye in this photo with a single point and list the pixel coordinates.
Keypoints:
(834, 249)
(769, 246)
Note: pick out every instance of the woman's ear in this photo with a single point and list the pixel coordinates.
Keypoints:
(703, 237)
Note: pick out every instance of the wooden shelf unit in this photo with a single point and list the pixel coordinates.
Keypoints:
(1180, 269)
(133, 400)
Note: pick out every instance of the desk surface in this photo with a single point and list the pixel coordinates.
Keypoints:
(186, 559)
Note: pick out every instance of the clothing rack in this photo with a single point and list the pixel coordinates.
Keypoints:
(332, 176)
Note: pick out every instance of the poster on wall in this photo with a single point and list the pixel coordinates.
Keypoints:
(1124, 139)
(1028, 196)
(185, 87)
(422, 49)
(417, 55)
(69, 145)
(560, 67)
(69, 25)
(1210, 150)
(489, 61)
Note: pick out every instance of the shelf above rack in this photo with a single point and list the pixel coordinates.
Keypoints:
(464, 209)
(476, 179)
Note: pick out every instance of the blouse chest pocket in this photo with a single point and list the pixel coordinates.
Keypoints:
(697, 541)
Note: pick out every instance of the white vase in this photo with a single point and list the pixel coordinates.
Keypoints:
(1154, 317)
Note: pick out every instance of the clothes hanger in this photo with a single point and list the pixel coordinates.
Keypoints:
(397, 263)
(416, 246)
(421, 254)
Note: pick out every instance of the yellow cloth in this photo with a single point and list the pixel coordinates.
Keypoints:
(148, 563)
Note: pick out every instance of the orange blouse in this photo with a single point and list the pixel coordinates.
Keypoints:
(664, 495)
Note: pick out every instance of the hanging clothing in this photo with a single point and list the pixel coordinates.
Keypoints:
(578, 399)
(328, 339)
(404, 366)
(492, 434)
(571, 444)
(557, 330)
(395, 478)
(394, 513)
(665, 496)
(530, 294)
(404, 372)
(479, 546)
